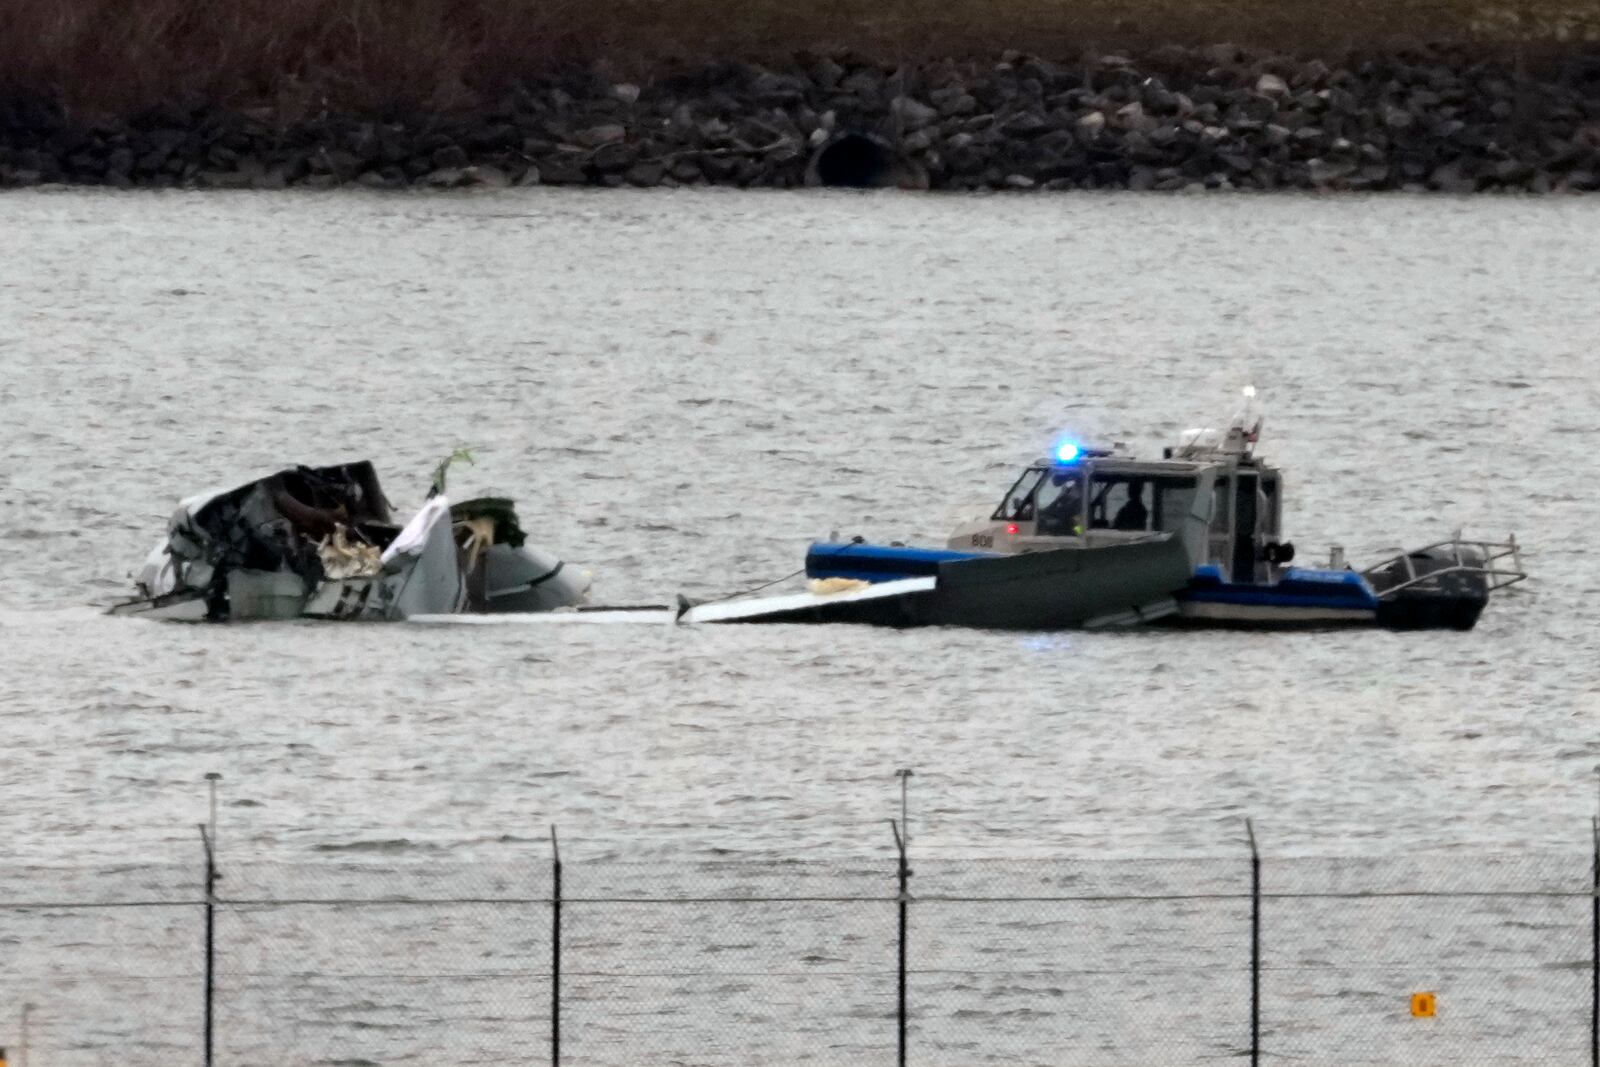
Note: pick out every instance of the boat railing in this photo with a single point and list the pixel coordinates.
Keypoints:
(1498, 563)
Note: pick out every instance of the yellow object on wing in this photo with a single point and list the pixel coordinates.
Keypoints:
(830, 586)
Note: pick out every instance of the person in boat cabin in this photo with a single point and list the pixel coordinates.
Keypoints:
(1132, 515)
(1060, 505)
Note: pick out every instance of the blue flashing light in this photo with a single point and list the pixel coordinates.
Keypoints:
(1068, 452)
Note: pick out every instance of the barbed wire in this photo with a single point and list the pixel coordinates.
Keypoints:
(701, 901)
(1344, 965)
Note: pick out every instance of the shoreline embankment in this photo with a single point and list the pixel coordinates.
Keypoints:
(1169, 118)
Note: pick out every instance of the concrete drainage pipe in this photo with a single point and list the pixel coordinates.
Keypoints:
(852, 160)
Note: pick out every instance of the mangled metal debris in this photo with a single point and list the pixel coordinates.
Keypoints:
(321, 542)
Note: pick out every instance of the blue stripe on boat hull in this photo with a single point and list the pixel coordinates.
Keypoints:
(1267, 597)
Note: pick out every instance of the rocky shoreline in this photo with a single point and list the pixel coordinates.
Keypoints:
(1175, 119)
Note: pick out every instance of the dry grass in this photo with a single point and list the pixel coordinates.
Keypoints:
(119, 54)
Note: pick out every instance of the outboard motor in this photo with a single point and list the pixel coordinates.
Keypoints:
(1438, 588)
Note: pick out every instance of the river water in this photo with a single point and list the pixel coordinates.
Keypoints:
(682, 389)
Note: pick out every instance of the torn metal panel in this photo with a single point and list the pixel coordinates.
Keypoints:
(421, 569)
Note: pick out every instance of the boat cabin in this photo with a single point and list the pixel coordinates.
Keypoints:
(1091, 498)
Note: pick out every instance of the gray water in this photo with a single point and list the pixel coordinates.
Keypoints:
(682, 389)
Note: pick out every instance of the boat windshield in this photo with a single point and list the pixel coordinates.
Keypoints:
(1018, 503)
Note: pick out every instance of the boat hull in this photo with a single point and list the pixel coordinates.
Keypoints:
(1299, 599)
(1115, 585)
(1059, 589)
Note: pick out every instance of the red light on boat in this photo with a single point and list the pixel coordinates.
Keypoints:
(1011, 528)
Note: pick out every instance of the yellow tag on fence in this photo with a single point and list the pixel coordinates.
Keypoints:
(1423, 1005)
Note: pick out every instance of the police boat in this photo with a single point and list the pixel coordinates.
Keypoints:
(1213, 496)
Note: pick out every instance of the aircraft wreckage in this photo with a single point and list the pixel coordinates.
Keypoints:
(321, 543)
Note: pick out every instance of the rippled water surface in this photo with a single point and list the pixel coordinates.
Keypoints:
(681, 390)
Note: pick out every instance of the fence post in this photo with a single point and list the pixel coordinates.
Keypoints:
(555, 950)
(1255, 947)
(1594, 943)
(211, 940)
(904, 900)
(23, 1044)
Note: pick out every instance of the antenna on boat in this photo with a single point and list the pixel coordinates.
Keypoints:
(1245, 429)
(1250, 408)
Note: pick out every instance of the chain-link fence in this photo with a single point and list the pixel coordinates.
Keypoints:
(1090, 962)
